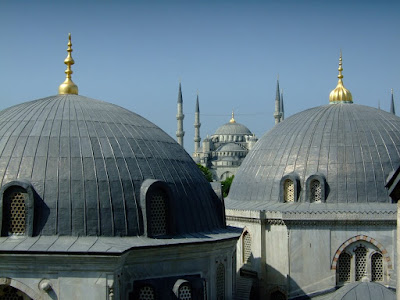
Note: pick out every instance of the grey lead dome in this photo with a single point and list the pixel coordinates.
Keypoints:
(86, 160)
(354, 147)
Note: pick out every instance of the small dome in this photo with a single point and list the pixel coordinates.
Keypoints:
(87, 159)
(233, 129)
(230, 147)
(364, 291)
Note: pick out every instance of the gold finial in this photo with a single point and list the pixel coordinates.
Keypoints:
(68, 86)
(340, 94)
(232, 120)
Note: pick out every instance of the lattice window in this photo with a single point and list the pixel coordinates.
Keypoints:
(316, 191)
(185, 292)
(344, 266)
(146, 293)
(278, 295)
(377, 267)
(220, 282)
(246, 247)
(158, 214)
(288, 188)
(11, 293)
(15, 211)
(361, 262)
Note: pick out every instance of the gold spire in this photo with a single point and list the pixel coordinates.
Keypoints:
(340, 94)
(68, 86)
(232, 120)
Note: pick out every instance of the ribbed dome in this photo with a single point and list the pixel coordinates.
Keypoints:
(230, 147)
(86, 160)
(363, 291)
(233, 129)
(354, 147)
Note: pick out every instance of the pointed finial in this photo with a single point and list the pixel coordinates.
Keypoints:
(232, 120)
(392, 108)
(68, 86)
(340, 94)
(379, 104)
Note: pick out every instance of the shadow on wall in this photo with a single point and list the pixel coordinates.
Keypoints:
(41, 214)
(273, 287)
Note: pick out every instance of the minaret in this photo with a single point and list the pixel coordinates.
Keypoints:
(68, 86)
(282, 110)
(392, 109)
(197, 125)
(277, 113)
(180, 116)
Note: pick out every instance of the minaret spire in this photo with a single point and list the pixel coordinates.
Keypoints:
(197, 125)
(282, 110)
(277, 113)
(179, 117)
(68, 86)
(392, 109)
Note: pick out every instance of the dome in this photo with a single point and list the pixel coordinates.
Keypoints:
(350, 148)
(362, 290)
(86, 161)
(230, 147)
(233, 129)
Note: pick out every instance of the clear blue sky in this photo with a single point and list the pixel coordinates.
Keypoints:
(133, 53)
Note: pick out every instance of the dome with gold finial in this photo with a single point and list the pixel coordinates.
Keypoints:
(233, 128)
(90, 164)
(340, 94)
(351, 149)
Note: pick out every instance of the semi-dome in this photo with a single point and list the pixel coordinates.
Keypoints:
(87, 160)
(230, 147)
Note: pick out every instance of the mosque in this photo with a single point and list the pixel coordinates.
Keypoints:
(97, 202)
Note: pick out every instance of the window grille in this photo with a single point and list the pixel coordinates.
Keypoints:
(220, 282)
(377, 267)
(14, 211)
(316, 191)
(158, 214)
(344, 265)
(246, 247)
(361, 262)
(146, 293)
(288, 188)
(278, 295)
(185, 292)
(11, 293)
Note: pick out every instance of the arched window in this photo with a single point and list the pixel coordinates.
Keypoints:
(377, 267)
(246, 247)
(185, 292)
(288, 191)
(14, 211)
(358, 260)
(146, 293)
(158, 211)
(315, 191)
(344, 267)
(361, 262)
(220, 282)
